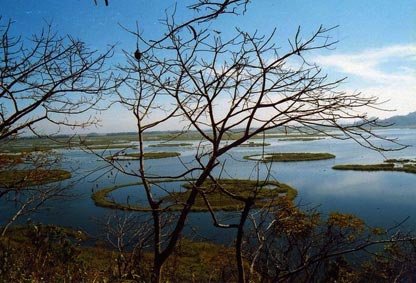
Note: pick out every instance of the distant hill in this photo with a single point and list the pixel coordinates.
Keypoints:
(408, 120)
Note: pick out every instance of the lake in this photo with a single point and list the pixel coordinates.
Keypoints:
(380, 198)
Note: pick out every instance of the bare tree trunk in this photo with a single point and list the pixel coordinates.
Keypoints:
(157, 270)
(155, 206)
(239, 241)
(161, 257)
(157, 264)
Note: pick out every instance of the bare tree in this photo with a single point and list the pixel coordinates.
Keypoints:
(105, 2)
(48, 78)
(241, 86)
(130, 236)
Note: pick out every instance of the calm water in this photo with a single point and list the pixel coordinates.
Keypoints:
(380, 198)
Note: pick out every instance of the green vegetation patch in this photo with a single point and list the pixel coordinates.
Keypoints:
(407, 168)
(7, 159)
(100, 198)
(300, 139)
(254, 144)
(289, 156)
(170, 145)
(23, 233)
(59, 254)
(147, 155)
(111, 146)
(264, 193)
(199, 261)
(365, 167)
(400, 160)
(28, 149)
(31, 177)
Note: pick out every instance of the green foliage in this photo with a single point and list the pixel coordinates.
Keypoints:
(41, 254)
(299, 246)
(297, 240)
(395, 263)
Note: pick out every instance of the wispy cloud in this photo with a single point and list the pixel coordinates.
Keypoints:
(368, 64)
(388, 72)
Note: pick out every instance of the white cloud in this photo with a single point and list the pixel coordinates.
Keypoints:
(387, 72)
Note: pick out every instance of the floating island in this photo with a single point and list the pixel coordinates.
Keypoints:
(265, 193)
(395, 165)
(171, 145)
(31, 177)
(254, 144)
(289, 156)
(146, 155)
(300, 139)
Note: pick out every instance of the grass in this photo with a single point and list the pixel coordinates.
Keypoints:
(300, 139)
(400, 160)
(290, 156)
(20, 233)
(100, 197)
(7, 159)
(254, 144)
(33, 177)
(264, 192)
(366, 167)
(407, 168)
(67, 250)
(170, 145)
(202, 261)
(26, 149)
(146, 155)
(111, 146)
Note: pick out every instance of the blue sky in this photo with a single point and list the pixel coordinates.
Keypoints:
(376, 49)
